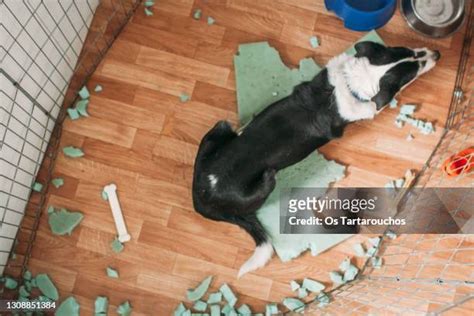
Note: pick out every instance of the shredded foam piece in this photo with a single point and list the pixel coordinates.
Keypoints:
(101, 305)
(200, 290)
(148, 12)
(81, 107)
(302, 292)
(186, 313)
(84, 93)
(410, 137)
(73, 114)
(408, 109)
(210, 20)
(350, 273)
(229, 296)
(73, 152)
(43, 298)
(399, 183)
(57, 182)
(116, 245)
(371, 252)
(294, 304)
(314, 42)
(112, 273)
(336, 277)
(98, 88)
(312, 285)
(22, 292)
(345, 264)
(184, 97)
(37, 187)
(124, 309)
(244, 310)
(214, 298)
(260, 74)
(28, 285)
(215, 310)
(390, 234)
(294, 285)
(390, 185)
(27, 275)
(197, 14)
(323, 299)
(375, 241)
(180, 309)
(50, 209)
(46, 286)
(395, 184)
(149, 3)
(376, 262)
(359, 250)
(69, 307)
(271, 309)
(200, 306)
(424, 127)
(393, 104)
(427, 128)
(399, 123)
(229, 310)
(63, 222)
(405, 118)
(10, 283)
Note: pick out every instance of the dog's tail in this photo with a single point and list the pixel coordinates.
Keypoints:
(264, 249)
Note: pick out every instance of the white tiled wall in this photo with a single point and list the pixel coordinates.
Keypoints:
(40, 44)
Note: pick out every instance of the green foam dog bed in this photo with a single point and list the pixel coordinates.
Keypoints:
(262, 79)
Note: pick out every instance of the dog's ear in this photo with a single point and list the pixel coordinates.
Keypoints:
(367, 48)
(393, 81)
(386, 93)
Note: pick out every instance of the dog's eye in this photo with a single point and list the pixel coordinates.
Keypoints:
(420, 54)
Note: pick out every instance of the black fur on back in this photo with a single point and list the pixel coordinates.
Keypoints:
(245, 165)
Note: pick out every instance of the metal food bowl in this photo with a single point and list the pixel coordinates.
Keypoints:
(434, 18)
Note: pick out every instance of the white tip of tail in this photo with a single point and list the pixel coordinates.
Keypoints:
(260, 257)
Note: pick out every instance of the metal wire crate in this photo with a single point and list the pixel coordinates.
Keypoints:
(420, 275)
(49, 50)
(425, 274)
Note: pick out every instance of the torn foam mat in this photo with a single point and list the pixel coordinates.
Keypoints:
(262, 79)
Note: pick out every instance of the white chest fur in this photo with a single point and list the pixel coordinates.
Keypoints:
(349, 107)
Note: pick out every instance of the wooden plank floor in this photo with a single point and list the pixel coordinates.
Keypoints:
(142, 138)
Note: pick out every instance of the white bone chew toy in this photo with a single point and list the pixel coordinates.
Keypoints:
(111, 190)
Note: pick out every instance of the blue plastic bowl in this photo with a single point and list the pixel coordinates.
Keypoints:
(362, 15)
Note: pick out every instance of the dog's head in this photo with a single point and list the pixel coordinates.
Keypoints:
(383, 71)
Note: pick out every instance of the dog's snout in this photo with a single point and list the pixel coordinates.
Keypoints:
(436, 55)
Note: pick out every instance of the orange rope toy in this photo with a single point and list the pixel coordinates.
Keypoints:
(460, 163)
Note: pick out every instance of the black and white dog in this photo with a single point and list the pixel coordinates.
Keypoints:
(235, 172)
